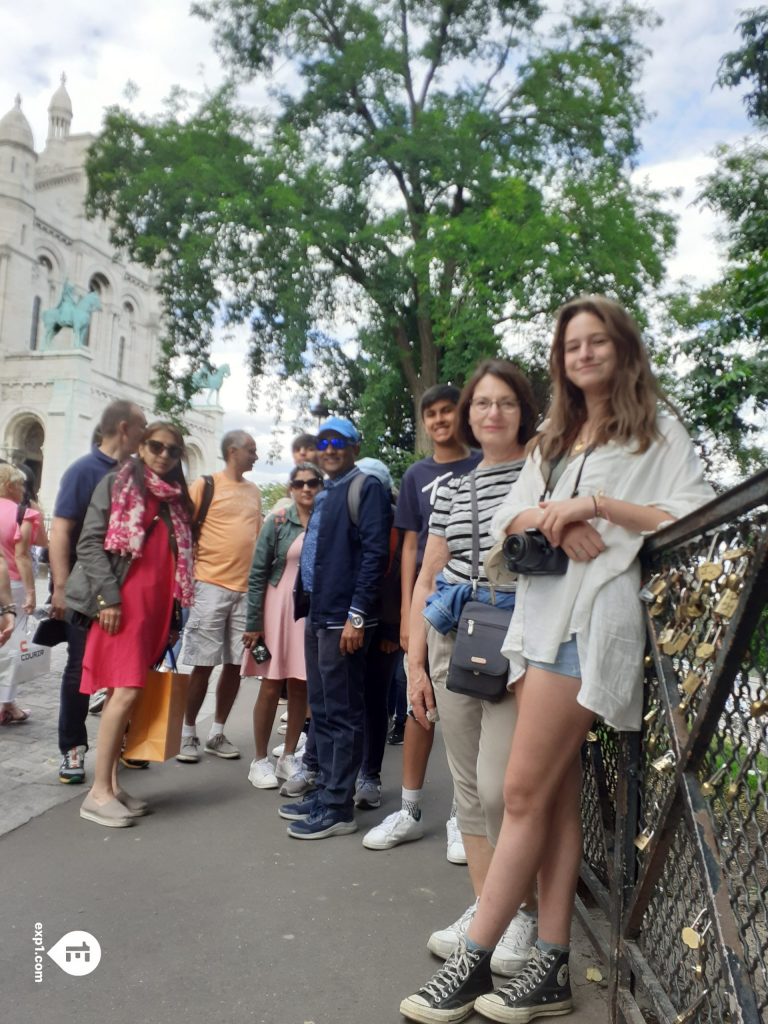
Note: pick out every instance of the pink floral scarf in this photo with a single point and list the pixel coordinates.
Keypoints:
(125, 531)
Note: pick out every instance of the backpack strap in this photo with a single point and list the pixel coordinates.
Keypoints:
(354, 491)
(205, 504)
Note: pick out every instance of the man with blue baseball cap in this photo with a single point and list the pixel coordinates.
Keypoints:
(343, 561)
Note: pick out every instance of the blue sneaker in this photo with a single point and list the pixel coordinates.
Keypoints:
(320, 825)
(301, 809)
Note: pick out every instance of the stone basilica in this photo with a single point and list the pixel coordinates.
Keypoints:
(79, 325)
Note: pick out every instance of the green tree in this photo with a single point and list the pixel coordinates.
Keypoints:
(725, 393)
(435, 171)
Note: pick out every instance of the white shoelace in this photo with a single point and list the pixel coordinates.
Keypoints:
(454, 971)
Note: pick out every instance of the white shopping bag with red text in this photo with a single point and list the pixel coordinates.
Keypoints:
(21, 660)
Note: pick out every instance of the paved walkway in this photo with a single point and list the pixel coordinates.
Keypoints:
(207, 910)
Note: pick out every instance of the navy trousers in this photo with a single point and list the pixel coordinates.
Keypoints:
(73, 705)
(336, 692)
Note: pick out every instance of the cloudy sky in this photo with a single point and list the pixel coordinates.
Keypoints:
(157, 45)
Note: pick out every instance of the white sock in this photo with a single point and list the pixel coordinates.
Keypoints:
(188, 730)
(217, 729)
(412, 802)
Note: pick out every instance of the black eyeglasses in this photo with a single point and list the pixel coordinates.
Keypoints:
(337, 443)
(299, 485)
(157, 448)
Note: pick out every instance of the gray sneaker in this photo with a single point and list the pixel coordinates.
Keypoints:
(190, 750)
(221, 747)
(303, 782)
(368, 794)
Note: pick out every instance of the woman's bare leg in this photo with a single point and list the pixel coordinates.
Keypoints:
(559, 871)
(297, 713)
(114, 719)
(550, 729)
(264, 714)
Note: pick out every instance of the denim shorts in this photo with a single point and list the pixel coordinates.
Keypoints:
(565, 664)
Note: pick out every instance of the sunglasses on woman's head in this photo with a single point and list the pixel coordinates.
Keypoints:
(301, 484)
(337, 443)
(157, 448)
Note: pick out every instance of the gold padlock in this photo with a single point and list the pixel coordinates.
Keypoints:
(709, 571)
(692, 682)
(651, 713)
(642, 841)
(708, 787)
(727, 603)
(665, 763)
(732, 554)
(758, 707)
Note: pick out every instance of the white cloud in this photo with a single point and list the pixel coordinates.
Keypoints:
(158, 45)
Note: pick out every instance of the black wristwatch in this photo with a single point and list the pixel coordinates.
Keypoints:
(357, 620)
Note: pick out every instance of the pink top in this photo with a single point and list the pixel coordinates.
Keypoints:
(10, 532)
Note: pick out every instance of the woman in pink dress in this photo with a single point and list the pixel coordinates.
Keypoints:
(133, 571)
(18, 532)
(270, 622)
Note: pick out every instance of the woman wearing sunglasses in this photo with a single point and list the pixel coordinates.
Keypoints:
(270, 624)
(133, 571)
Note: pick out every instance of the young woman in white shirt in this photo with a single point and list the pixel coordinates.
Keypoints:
(607, 468)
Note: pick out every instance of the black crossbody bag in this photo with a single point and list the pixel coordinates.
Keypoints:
(478, 668)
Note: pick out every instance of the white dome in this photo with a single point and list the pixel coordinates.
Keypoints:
(14, 127)
(60, 101)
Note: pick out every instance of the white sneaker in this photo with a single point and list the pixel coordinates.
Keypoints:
(455, 843)
(400, 827)
(284, 717)
(262, 775)
(282, 729)
(514, 947)
(443, 943)
(279, 750)
(287, 766)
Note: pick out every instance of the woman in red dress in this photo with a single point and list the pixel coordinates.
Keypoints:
(134, 569)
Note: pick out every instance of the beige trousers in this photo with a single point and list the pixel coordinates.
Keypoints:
(478, 736)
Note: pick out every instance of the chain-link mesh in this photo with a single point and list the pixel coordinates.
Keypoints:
(696, 594)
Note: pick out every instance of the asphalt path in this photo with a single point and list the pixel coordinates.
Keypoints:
(206, 910)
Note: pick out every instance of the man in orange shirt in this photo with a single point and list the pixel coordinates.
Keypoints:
(213, 634)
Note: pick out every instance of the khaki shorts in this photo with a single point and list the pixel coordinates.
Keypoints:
(213, 634)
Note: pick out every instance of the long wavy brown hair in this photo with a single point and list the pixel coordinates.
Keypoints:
(630, 408)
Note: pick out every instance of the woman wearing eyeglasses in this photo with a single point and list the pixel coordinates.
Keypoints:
(134, 568)
(270, 624)
(496, 413)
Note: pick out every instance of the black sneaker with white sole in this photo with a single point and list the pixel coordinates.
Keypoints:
(541, 989)
(451, 992)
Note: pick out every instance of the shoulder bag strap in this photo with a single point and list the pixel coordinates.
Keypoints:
(475, 576)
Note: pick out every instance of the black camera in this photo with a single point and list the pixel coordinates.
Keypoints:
(260, 652)
(530, 554)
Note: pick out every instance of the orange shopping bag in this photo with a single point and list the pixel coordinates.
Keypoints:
(154, 732)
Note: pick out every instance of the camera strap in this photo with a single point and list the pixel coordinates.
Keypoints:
(549, 486)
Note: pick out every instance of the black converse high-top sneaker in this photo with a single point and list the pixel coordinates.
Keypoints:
(541, 989)
(451, 992)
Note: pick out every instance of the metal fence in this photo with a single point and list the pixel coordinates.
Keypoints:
(676, 817)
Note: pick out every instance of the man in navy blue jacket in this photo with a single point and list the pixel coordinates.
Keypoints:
(343, 561)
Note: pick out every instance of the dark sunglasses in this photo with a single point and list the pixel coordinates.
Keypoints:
(337, 443)
(298, 485)
(157, 448)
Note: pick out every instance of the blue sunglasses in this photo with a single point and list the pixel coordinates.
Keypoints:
(337, 443)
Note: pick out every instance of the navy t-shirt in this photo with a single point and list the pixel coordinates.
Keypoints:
(418, 491)
(77, 485)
